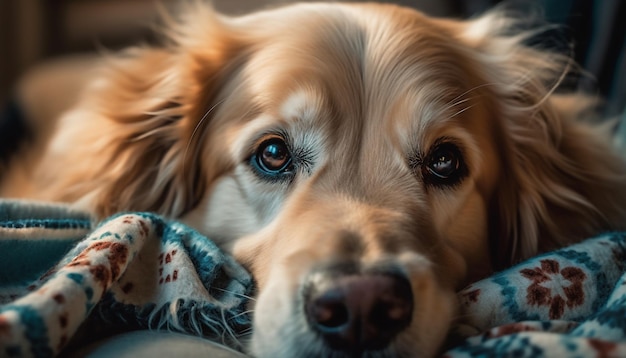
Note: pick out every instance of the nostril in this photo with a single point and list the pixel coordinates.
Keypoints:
(359, 312)
(328, 311)
(391, 311)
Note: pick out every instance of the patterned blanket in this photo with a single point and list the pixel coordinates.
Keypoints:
(133, 271)
(63, 279)
(567, 303)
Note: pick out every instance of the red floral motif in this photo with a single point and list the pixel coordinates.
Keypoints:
(63, 319)
(145, 229)
(548, 287)
(164, 261)
(509, 329)
(48, 273)
(59, 298)
(117, 256)
(101, 274)
(471, 296)
(603, 348)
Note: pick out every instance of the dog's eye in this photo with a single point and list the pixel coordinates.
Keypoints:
(272, 157)
(444, 165)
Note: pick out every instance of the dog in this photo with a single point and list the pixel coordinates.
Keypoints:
(363, 161)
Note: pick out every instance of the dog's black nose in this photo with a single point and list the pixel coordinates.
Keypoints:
(359, 312)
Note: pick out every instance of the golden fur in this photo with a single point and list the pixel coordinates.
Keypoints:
(361, 93)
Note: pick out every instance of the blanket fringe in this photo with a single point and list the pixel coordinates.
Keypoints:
(227, 326)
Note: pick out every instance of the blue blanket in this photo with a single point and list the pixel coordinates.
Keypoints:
(59, 272)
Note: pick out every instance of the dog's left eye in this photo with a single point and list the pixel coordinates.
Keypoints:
(444, 165)
(272, 158)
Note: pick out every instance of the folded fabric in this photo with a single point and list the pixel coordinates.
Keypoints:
(566, 303)
(136, 270)
(61, 277)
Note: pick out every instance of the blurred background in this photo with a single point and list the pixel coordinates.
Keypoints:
(35, 32)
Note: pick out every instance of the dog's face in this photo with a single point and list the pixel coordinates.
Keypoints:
(363, 161)
(361, 167)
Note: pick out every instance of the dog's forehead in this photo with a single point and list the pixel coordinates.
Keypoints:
(367, 64)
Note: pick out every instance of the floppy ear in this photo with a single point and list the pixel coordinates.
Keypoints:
(134, 137)
(561, 179)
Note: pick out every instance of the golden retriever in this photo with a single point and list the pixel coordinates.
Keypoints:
(364, 161)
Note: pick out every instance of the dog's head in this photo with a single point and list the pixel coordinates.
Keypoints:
(363, 161)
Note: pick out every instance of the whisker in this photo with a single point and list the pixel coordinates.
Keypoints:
(195, 130)
(243, 313)
(228, 333)
(234, 293)
(246, 331)
(461, 111)
(448, 107)
(471, 90)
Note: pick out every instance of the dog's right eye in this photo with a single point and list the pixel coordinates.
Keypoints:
(272, 158)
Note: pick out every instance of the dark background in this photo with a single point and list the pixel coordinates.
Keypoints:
(34, 31)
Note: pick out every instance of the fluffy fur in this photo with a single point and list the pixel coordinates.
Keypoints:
(361, 94)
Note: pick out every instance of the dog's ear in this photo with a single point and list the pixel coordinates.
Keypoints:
(139, 123)
(561, 179)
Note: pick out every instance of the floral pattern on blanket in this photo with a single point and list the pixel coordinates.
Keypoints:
(60, 278)
(570, 302)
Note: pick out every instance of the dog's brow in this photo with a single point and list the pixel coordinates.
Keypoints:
(240, 138)
(302, 105)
